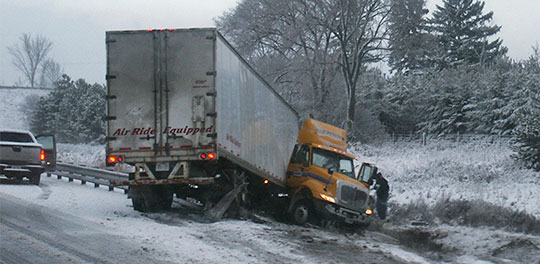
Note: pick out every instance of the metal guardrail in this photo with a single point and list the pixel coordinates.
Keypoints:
(87, 174)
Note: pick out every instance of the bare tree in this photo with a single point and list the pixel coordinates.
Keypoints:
(51, 72)
(284, 32)
(29, 55)
(312, 40)
(360, 29)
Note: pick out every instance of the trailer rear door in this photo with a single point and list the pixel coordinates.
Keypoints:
(160, 100)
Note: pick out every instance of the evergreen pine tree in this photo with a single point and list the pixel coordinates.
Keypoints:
(462, 31)
(410, 43)
(73, 111)
(527, 131)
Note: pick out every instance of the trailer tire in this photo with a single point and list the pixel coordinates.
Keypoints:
(146, 203)
(166, 200)
(35, 178)
(137, 204)
(302, 212)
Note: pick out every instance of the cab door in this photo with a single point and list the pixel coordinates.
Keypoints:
(48, 141)
(298, 166)
(367, 171)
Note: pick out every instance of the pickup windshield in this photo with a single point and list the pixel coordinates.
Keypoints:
(15, 137)
(328, 159)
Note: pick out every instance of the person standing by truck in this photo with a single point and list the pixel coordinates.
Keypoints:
(381, 185)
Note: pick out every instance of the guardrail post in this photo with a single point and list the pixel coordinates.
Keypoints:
(70, 179)
(58, 177)
(83, 182)
(96, 185)
(111, 188)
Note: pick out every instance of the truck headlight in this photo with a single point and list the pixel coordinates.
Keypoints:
(328, 198)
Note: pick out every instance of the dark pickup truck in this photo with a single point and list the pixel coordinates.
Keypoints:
(21, 155)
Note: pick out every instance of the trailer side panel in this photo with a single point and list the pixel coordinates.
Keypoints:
(255, 125)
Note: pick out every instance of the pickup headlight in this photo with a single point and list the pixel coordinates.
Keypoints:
(328, 198)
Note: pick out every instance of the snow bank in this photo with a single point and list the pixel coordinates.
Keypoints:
(82, 154)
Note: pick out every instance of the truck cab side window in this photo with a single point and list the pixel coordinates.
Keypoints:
(303, 156)
(294, 154)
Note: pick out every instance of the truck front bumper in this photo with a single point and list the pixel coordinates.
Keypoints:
(339, 213)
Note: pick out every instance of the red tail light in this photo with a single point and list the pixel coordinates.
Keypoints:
(112, 159)
(120, 158)
(203, 156)
(211, 155)
(266, 181)
(42, 155)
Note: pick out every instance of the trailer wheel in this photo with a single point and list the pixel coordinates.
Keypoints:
(302, 212)
(35, 178)
(137, 204)
(146, 203)
(166, 200)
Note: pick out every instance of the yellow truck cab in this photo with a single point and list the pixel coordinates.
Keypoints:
(321, 178)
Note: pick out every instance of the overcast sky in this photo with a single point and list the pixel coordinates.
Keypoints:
(77, 27)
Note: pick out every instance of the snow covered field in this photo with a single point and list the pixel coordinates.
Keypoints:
(477, 170)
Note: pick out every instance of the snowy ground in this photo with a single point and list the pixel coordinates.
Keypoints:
(185, 238)
(471, 171)
(180, 236)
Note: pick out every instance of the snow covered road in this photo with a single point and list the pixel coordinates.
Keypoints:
(79, 224)
(65, 222)
(37, 234)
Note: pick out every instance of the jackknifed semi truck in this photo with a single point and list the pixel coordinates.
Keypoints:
(194, 120)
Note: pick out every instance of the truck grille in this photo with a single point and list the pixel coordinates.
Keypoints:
(351, 196)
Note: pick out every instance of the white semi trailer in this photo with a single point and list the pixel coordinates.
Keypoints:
(193, 118)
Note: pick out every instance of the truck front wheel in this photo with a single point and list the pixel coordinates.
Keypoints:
(302, 212)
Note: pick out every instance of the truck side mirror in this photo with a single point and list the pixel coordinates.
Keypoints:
(331, 171)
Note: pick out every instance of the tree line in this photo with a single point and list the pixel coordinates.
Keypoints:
(449, 71)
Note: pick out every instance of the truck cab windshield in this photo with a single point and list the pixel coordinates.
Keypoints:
(331, 160)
